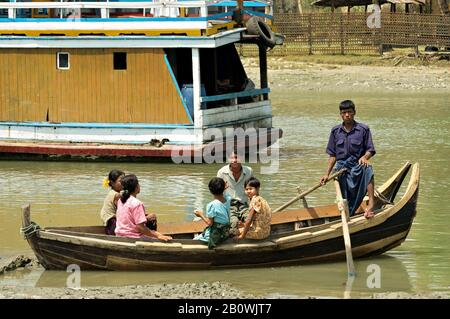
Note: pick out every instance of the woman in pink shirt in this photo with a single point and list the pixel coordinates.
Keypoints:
(131, 217)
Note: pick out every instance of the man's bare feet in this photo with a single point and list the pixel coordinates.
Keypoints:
(368, 213)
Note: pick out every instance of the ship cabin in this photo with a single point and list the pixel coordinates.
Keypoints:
(110, 79)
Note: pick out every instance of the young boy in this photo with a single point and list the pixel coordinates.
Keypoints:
(217, 216)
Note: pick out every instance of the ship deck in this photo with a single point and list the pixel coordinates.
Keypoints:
(121, 18)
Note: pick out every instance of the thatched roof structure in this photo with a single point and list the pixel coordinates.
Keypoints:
(355, 3)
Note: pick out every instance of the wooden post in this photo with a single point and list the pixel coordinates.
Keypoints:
(304, 202)
(104, 13)
(310, 33)
(378, 32)
(12, 11)
(215, 72)
(204, 11)
(341, 26)
(198, 115)
(343, 208)
(239, 13)
(263, 68)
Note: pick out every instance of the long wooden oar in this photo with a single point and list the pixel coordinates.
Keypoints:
(345, 216)
(300, 196)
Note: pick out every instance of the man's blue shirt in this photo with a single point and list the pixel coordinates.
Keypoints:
(357, 142)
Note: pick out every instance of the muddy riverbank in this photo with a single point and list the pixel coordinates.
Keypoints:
(187, 290)
(13, 264)
(214, 290)
(333, 77)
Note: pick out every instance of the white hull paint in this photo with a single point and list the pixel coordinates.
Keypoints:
(186, 135)
(253, 115)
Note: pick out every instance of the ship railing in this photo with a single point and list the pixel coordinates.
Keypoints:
(258, 94)
(165, 8)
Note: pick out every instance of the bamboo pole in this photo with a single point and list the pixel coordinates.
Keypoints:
(343, 208)
(300, 196)
(239, 11)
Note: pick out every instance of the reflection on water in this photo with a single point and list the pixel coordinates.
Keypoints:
(312, 280)
(413, 127)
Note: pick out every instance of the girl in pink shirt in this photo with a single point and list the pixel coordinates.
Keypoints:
(131, 217)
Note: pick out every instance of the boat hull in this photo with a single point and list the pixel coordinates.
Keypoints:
(59, 151)
(57, 248)
(368, 242)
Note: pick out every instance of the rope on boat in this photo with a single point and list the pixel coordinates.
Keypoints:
(28, 231)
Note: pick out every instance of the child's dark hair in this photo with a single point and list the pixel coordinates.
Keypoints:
(252, 182)
(216, 186)
(129, 185)
(114, 175)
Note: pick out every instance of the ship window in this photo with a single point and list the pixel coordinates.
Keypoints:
(62, 61)
(120, 60)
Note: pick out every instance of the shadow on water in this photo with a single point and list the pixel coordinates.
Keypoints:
(325, 280)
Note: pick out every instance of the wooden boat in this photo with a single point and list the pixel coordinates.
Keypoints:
(297, 236)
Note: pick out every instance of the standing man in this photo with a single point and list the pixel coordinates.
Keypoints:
(235, 174)
(350, 145)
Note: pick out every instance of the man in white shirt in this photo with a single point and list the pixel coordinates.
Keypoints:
(235, 175)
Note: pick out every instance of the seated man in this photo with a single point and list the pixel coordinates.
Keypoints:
(235, 174)
(350, 145)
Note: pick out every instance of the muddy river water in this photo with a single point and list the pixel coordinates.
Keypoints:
(406, 126)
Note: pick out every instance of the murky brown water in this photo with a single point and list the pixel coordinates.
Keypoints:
(405, 127)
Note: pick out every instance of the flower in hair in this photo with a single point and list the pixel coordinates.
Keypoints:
(105, 183)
